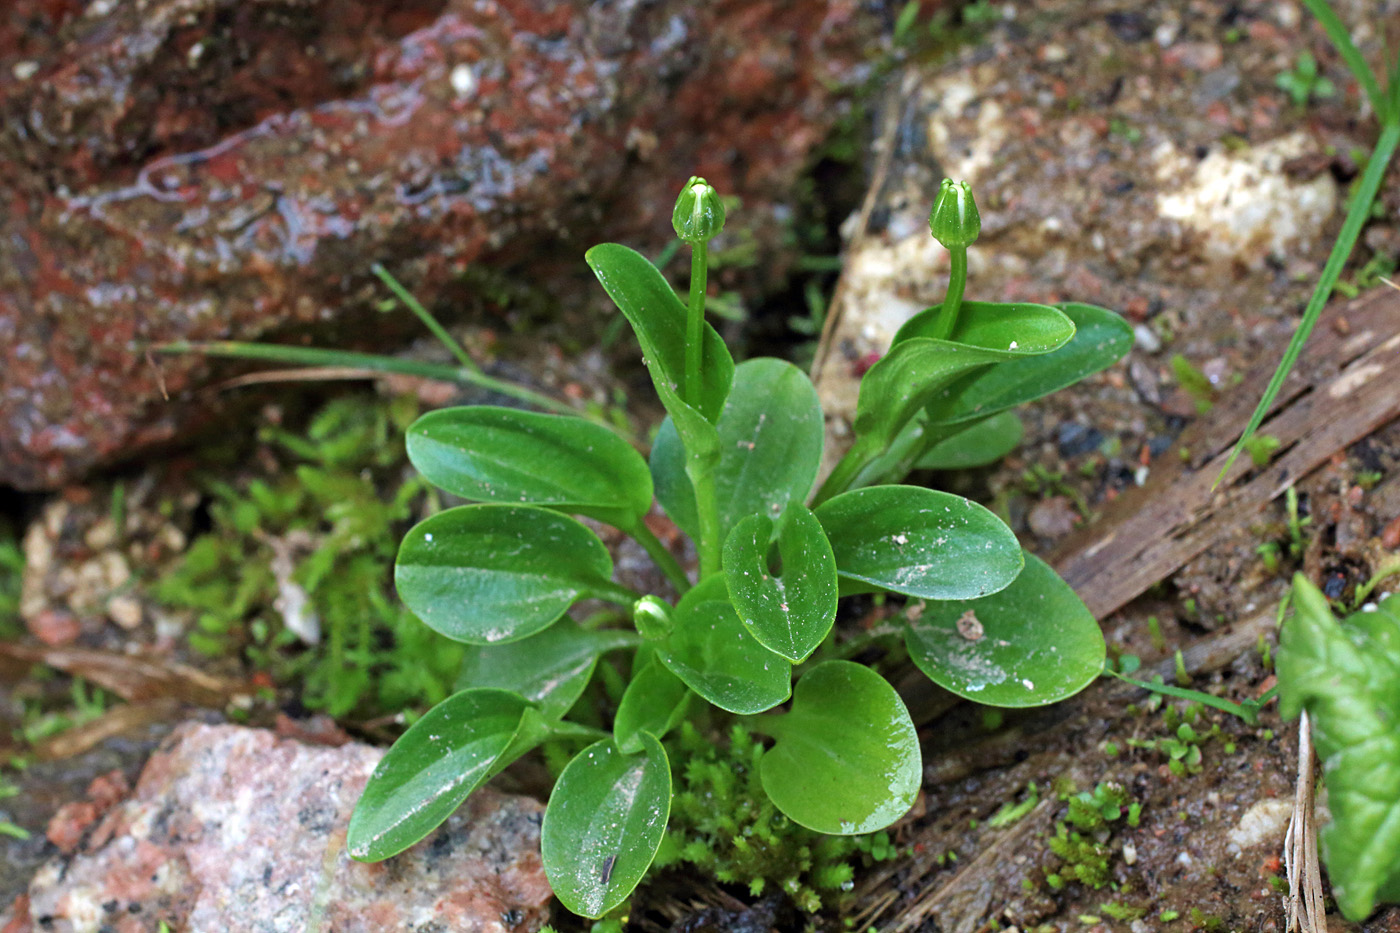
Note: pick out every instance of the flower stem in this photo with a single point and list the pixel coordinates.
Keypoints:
(707, 511)
(952, 302)
(695, 322)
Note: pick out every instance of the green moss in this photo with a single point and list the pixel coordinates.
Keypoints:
(1081, 839)
(724, 825)
(321, 522)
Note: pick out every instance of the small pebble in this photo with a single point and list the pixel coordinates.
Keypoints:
(125, 611)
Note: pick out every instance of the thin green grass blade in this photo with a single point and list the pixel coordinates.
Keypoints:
(1341, 39)
(1341, 250)
(426, 316)
(317, 356)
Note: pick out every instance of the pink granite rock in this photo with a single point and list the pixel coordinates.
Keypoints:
(233, 830)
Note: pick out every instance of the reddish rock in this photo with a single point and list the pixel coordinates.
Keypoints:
(235, 830)
(54, 627)
(208, 169)
(1053, 518)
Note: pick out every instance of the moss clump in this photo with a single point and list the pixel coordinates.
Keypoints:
(724, 824)
(319, 526)
(1081, 838)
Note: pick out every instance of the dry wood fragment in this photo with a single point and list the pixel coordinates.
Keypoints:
(1346, 390)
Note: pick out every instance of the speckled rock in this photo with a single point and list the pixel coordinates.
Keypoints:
(208, 169)
(233, 830)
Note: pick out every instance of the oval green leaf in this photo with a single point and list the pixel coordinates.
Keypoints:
(492, 454)
(604, 823)
(484, 574)
(919, 542)
(550, 669)
(1019, 329)
(770, 448)
(1101, 338)
(454, 749)
(714, 654)
(846, 759)
(979, 444)
(791, 612)
(654, 702)
(1032, 643)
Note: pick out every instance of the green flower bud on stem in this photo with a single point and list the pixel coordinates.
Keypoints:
(954, 220)
(699, 215)
(955, 223)
(652, 617)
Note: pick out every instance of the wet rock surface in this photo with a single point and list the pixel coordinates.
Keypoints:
(234, 829)
(204, 169)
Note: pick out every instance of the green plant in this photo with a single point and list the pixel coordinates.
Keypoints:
(1303, 82)
(723, 823)
(733, 464)
(1346, 675)
(1081, 837)
(314, 548)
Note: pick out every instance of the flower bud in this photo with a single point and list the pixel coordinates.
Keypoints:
(652, 617)
(954, 220)
(699, 215)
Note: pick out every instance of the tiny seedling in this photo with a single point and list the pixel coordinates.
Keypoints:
(1303, 83)
(734, 466)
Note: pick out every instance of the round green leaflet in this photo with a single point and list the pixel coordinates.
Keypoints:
(604, 823)
(485, 574)
(792, 611)
(711, 651)
(454, 749)
(919, 542)
(770, 443)
(1030, 644)
(551, 668)
(493, 454)
(846, 759)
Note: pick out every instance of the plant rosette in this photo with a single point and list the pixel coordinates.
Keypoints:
(735, 465)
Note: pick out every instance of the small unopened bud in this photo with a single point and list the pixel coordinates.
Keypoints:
(954, 220)
(699, 215)
(652, 617)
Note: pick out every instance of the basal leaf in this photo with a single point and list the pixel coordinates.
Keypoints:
(655, 702)
(1347, 676)
(846, 759)
(919, 542)
(550, 669)
(454, 749)
(1101, 338)
(788, 612)
(770, 448)
(503, 455)
(979, 444)
(658, 318)
(1027, 645)
(604, 823)
(485, 574)
(919, 369)
(1018, 328)
(714, 654)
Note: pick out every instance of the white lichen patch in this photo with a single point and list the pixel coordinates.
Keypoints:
(1244, 204)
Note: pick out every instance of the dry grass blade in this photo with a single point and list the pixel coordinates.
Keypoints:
(1304, 902)
(133, 677)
